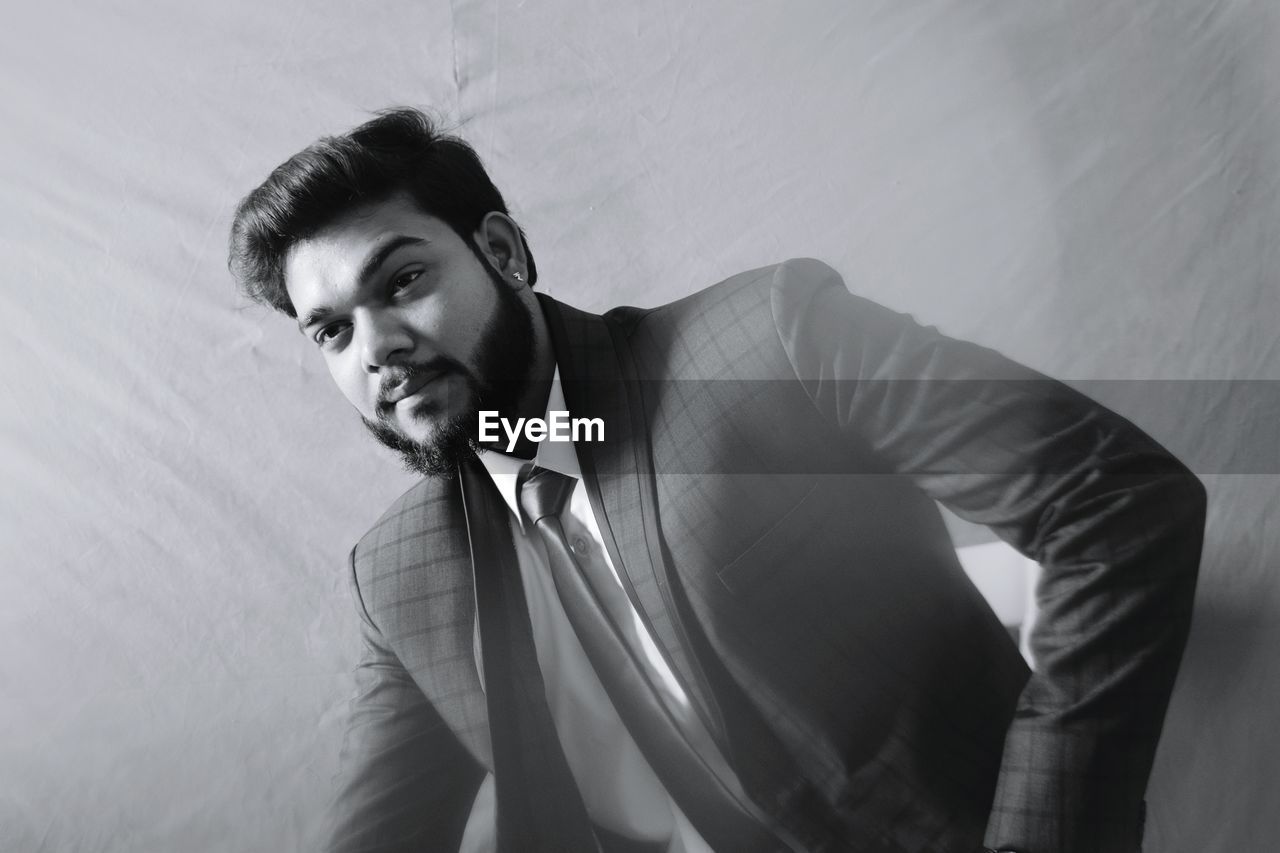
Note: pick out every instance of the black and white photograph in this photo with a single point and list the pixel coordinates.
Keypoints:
(539, 426)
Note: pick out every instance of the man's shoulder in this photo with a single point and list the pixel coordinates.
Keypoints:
(427, 508)
(789, 280)
(748, 315)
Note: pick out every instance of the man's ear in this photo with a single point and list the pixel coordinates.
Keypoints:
(498, 239)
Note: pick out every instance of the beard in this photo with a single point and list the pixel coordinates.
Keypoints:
(504, 357)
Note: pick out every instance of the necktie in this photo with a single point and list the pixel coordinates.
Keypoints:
(539, 807)
(596, 607)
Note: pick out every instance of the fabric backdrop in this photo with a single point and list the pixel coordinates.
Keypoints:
(1090, 187)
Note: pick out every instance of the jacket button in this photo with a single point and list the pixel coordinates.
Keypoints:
(579, 546)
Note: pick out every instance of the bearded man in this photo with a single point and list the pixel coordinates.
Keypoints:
(736, 622)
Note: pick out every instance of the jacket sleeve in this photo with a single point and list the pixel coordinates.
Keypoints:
(406, 782)
(1114, 520)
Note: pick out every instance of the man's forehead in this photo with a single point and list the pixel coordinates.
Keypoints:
(335, 255)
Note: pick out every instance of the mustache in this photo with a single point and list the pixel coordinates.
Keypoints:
(399, 375)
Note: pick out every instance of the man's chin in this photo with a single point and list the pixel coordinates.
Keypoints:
(435, 455)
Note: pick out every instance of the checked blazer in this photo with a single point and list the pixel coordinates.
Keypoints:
(774, 450)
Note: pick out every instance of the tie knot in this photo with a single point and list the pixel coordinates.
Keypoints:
(543, 492)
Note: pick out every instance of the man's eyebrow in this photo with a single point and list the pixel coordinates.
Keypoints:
(376, 259)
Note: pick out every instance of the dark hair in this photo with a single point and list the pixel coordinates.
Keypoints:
(401, 149)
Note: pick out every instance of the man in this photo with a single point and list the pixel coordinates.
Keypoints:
(735, 621)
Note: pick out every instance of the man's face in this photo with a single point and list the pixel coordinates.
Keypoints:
(416, 330)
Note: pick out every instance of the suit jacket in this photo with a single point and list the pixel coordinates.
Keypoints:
(774, 447)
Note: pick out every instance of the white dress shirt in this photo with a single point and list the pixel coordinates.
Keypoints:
(619, 788)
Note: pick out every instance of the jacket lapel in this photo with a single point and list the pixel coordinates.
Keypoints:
(599, 382)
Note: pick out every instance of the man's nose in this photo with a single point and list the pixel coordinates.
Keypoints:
(384, 341)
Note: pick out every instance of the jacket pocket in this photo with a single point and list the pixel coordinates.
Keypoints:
(779, 546)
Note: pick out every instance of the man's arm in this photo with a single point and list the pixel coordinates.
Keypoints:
(407, 783)
(1115, 521)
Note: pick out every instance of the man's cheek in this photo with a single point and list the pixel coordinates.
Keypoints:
(453, 392)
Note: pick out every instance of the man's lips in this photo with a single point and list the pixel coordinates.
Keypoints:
(414, 383)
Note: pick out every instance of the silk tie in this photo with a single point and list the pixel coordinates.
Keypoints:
(539, 807)
(596, 607)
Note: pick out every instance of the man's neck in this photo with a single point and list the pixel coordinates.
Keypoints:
(532, 400)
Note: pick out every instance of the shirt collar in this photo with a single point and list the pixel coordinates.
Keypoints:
(558, 456)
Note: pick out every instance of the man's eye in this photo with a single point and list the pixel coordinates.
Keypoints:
(330, 333)
(403, 280)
